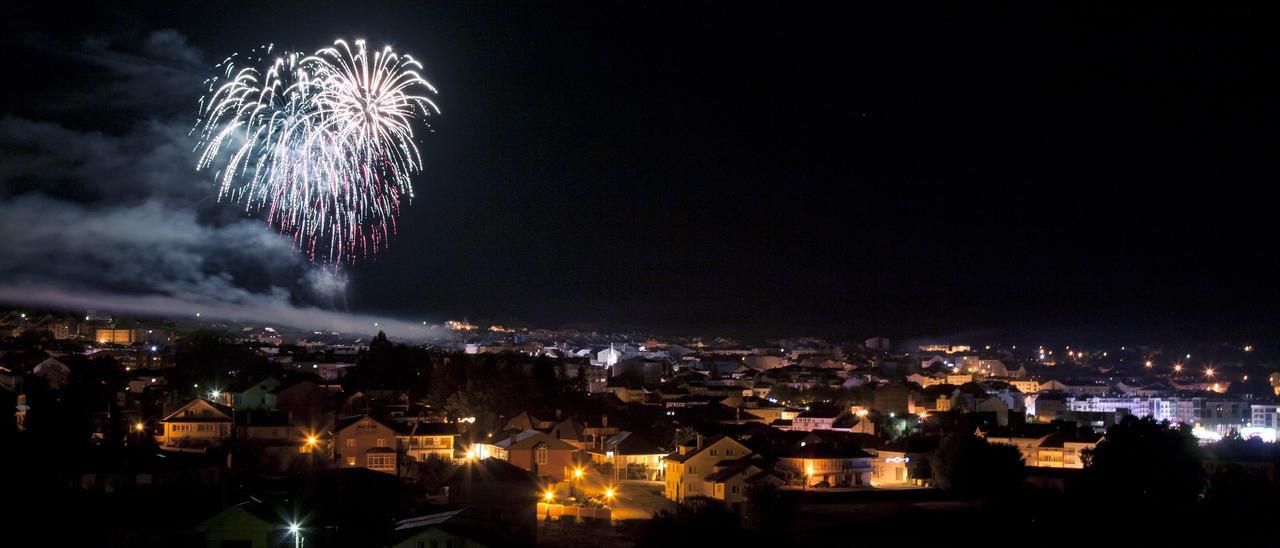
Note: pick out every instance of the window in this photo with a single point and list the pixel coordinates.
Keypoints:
(351, 442)
(382, 442)
(728, 452)
(540, 454)
(381, 461)
(713, 452)
(351, 461)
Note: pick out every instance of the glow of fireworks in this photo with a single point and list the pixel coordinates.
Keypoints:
(323, 142)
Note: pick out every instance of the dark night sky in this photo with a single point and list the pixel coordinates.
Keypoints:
(781, 169)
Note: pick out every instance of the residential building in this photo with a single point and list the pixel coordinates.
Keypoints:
(196, 426)
(730, 480)
(364, 442)
(693, 461)
(826, 465)
(462, 528)
(631, 456)
(421, 440)
(535, 451)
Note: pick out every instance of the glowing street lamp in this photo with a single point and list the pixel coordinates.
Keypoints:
(296, 531)
(1177, 368)
(608, 494)
(573, 486)
(137, 426)
(1208, 372)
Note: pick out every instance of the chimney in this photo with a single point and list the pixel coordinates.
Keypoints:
(557, 414)
(699, 442)
(604, 421)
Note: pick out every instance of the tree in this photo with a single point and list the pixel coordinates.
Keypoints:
(970, 465)
(1146, 462)
(474, 400)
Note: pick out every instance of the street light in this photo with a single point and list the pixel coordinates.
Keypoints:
(573, 486)
(297, 535)
(1208, 372)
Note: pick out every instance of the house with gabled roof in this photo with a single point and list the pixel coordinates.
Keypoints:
(365, 442)
(532, 450)
(462, 528)
(731, 479)
(252, 523)
(687, 468)
(196, 426)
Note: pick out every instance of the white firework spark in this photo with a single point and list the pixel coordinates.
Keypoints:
(323, 142)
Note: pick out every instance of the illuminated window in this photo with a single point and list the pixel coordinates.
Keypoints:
(540, 454)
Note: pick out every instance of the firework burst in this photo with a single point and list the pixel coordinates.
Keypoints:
(323, 142)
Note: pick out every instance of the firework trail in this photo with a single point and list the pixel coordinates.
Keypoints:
(323, 142)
